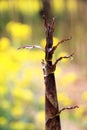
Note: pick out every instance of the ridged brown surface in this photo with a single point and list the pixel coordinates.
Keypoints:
(51, 103)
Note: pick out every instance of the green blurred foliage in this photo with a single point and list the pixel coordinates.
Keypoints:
(21, 78)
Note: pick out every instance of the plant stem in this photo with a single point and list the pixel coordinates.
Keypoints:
(51, 102)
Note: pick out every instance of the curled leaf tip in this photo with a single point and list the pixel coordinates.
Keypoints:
(70, 37)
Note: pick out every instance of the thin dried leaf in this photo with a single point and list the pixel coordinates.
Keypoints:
(31, 47)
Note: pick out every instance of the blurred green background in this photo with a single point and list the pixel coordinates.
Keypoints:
(21, 78)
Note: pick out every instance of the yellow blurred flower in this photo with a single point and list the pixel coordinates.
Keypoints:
(71, 5)
(80, 112)
(64, 99)
(8, 63)
(18, 102)
(5, 104)
(2, 69)
(26, 6)
(55, 41)
(30, 55)
(43, 42)
(22, 55)
(18, 30)
(42, 100)
(30, 126)
(3, 121)
(17, 111)
(23, 94)
(68, 79)
(3, 90)
(4, 5)
(58, 71)
(22, 83)
(18, 125)
(84, 95)
(36, 55)
(58, 6)
(40, 118)
(4, 43)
